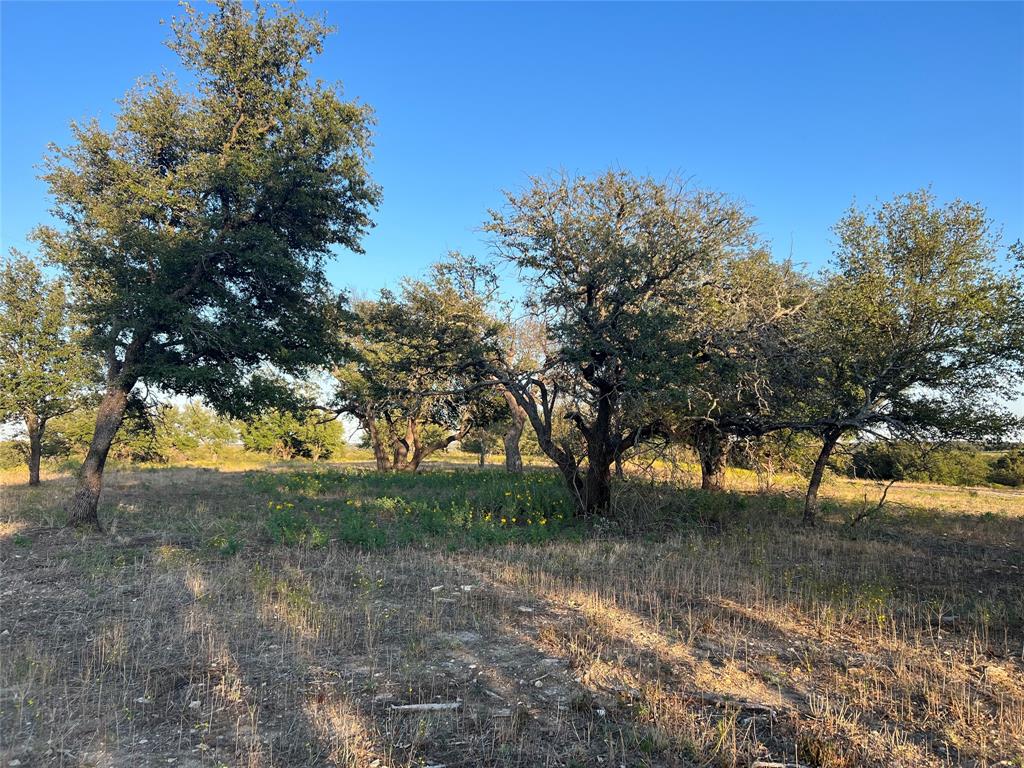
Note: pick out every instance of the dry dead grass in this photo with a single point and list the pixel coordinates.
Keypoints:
(898, 643)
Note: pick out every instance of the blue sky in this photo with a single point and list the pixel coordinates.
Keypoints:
(795, 108)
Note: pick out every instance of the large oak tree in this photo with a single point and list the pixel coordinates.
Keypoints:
(194, 231)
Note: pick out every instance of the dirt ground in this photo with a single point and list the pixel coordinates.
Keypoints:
(751, 643)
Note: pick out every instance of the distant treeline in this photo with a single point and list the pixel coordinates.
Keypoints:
(193, 432)
(171, 433)
(945, 465)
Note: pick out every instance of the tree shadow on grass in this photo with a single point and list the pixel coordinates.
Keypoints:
(746, 642)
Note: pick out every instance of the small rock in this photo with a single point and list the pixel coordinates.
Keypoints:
(194, 704)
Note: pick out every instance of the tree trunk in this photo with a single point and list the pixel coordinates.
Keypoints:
(513, 458)
(618, 466)
(483, 455)
(406, 450)
(713, 450)
(379, 454)
(829, 441)
(597, 495)
(421, 451)
(82, 509)
(35, 427)
(597, 484)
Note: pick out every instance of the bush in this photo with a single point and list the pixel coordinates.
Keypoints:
(946, 465)
(282, 434)
(1008, 469)
(152, 435)
(13, 453)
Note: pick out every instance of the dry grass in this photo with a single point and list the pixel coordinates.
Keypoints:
(736, 636)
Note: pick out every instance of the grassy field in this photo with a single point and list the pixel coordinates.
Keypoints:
(292, 615)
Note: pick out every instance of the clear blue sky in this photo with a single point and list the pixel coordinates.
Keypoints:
(796, 108)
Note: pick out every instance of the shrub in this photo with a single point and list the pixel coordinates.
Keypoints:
(12, 453)
(286, 436)
(946, 465)
(1008, 469)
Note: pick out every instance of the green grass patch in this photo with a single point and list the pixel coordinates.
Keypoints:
(375, 510)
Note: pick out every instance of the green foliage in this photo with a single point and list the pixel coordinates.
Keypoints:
(1008, 469)
(945, 465)
(613, 267)
(12, 453)
(288, 527)
(225, 545)
(747, 326)
(195, 230)
(43, 370)
(287, 436)
(408, 382)
(154, 435)
(954, 466)
(918, 330)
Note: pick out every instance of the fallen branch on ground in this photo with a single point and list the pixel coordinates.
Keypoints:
(446, 706)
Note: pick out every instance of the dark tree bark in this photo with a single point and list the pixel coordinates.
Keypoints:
(597, 498)
(35, 427)
(829, 440)
(713, 451)
(513, 457)
(82, 509)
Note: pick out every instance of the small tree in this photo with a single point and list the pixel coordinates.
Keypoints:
(44, 372)
(917, 332)
(287, 435)
(482, 442)
(408, 376)
(614, 268)
(196, 230)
